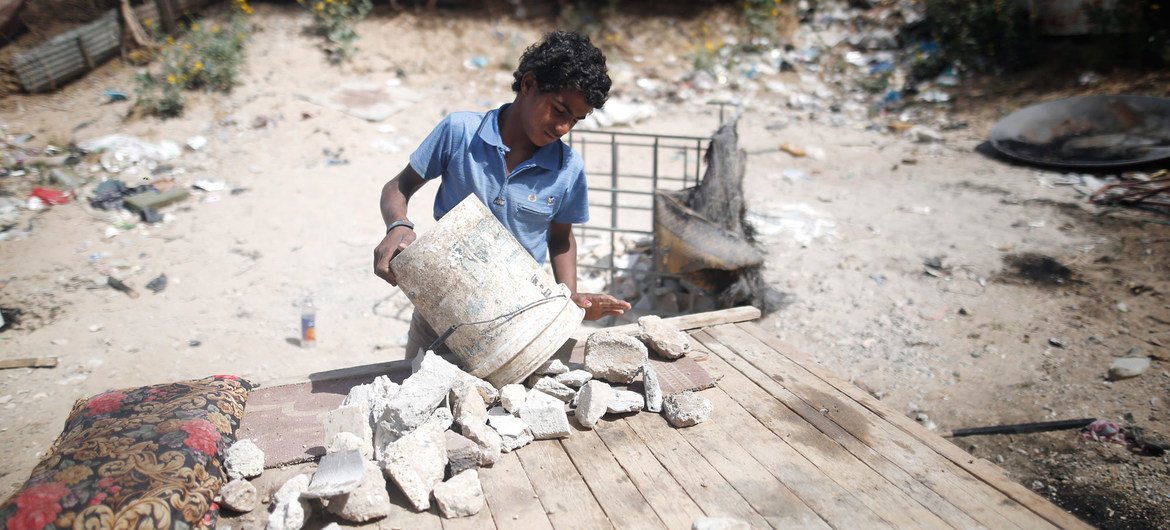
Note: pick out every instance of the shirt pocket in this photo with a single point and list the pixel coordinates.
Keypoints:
(534, 210)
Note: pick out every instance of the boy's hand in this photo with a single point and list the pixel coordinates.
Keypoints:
(395, 241)
(600, 305)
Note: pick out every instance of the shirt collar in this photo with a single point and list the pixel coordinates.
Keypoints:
(550, 157)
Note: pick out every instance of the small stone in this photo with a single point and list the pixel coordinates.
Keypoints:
(345, 441)
(488, 440)
(1059, 343)
(514, 432)
(652, 388)
(624, 401)
(614, 357)
(465, 400)
(720, 523)
(552, 367)
(370, 500)
(686, 409)
(95, 328)
(416, 462)
(1122, 307)
(551, 387)
(592, 403)
(354, 419)
(512, 397)
(238, 495)
(337, 474)
(925, 135)
(1127, 367)
(545, 416)
(243, 460)
(461, 496)
(663, 338)
(574, 378)
(462, 454)
(289, 510)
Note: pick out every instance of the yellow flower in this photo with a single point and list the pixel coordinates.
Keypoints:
(171, 79)
(319, 6)
(198, 66)
(215, 28)
(195, 27)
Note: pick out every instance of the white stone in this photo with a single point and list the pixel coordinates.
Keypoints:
(624, 401)
(355, 419)
(552, 367)
(614, 357)
(439, 421)
(419, 395)
(663, 338)
(720, 523)
(489, 441)
(574, 378)
(1127, 367)
(337, 474)
(465, 400)
(551, 387)
(486, 390)
(243, 460)
(514, 432)
(686, 409)
(461, 496)
(238, 495)
(345, 441)
(462, 453)
(512, 397)
(652, 388)
(592, 403)
(369, 501)
(545, 417)
(416, 463)
(289, 510)
(382, 390)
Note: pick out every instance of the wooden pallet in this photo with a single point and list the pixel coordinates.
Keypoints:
(787, 446)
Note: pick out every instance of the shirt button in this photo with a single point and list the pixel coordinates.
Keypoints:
(531, 198)
(499, 201)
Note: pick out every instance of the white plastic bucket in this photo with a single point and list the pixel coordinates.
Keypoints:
(469, 268)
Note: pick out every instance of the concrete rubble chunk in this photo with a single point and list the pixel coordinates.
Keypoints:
(344, 441)
(574, 378)
(462, 453)
(337, 474)
(624, 401)
(439, 421)
(419, 396)
(466, 400)
(461, 496)
(686, 409)
(416, 463)
(1127, 367)
(289, 510)
(551, 387)
(552, 367)
(545, 416)
(652, 388)
(238, 495)
(514, 432)
(592, 403)
(486, 390)
(370, 500)
(354, 419)
(382, 390)
(358, 394)
(614, 357)
(512, 397)
(243, 460)
(663, 338)
(720, 523)
(489, 441)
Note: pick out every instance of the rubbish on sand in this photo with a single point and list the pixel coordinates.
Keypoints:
(29, 362)
(117, 285)
(1023, 428)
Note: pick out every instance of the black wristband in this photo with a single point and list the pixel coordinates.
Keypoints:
(398, 223)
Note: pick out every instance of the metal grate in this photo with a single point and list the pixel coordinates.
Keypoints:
(625, 169)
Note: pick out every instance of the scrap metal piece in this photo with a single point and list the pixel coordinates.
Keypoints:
(337, 474)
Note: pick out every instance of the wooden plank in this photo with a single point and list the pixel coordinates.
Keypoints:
(29, 362)
(772, 499)
(985, 471)
(669, 500)
(698, 478)
(566, 499)
(481, 520)
(617, 494)
(812, 398)
(684, 322)
(510, 496)
(905, 506)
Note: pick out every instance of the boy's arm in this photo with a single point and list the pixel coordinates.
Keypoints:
(395, 199)
(562, 250)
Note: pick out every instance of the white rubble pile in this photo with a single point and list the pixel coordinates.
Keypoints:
(289, 510)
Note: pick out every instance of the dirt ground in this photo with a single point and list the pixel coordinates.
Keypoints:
(916, 276)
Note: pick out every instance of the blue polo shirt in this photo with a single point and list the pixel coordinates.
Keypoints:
(466, 150)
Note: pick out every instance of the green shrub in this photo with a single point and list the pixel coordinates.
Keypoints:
(985, 35)
(209, 57)
(335, 19)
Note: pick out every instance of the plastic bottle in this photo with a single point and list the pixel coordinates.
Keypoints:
(308, 323)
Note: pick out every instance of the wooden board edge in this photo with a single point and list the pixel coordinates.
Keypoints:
(684, 322)
(985, 471)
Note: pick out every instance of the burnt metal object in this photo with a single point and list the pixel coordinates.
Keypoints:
(1087, 132)
(1152, 194)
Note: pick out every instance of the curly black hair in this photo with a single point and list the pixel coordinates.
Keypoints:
(566, 60)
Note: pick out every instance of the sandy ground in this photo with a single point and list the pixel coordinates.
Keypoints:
(967, 346)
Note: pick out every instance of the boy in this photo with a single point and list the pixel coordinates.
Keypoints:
(512, 158)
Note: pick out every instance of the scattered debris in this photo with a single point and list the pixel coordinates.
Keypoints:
(461, 496)
(158, 284)
(289, 510)
(369, 500)
(238, 495)
(614, 357)
(625, 401)
(686, 409)
(244, 460)
(337, 474)
(1104, 431)
(592, 403)
(663, 338)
